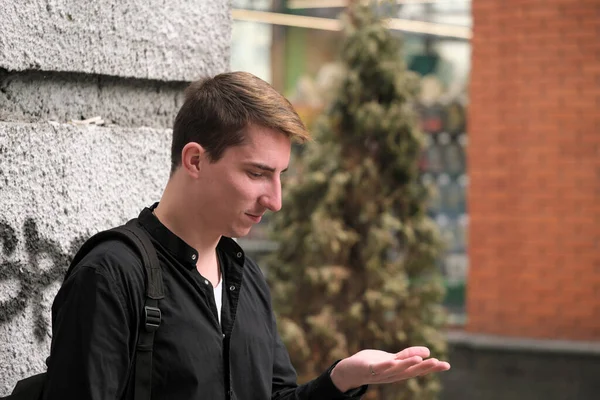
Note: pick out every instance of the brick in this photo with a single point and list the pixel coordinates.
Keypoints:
(533, 163)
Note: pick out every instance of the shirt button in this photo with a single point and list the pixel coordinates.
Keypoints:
(223, 335)
(206, 281)
(239, 254)
(193, 257)
(232, 288)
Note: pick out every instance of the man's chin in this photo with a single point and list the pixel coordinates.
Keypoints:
(240, 232)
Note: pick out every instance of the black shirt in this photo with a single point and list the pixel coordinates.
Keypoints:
(97, 313)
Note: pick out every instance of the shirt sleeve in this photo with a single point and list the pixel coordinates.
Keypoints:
(91, 349)
(285, 386)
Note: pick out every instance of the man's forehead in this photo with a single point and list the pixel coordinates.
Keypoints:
(266, 141)
(259, 135)
(273, 157)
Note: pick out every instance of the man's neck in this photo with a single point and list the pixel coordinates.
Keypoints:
(189, 229)
(208, 267)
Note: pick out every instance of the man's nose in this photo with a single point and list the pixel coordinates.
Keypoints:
(272, 200)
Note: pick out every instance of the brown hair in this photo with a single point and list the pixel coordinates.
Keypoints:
(217, 110)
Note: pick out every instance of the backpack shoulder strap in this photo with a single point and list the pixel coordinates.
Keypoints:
(152, 314)
(154, 282)
(136, 237)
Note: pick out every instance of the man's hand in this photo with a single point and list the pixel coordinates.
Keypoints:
(375, 367)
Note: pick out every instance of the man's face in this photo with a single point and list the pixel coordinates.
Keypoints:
(246, 182)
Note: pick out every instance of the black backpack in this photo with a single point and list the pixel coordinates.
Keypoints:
(32, 388)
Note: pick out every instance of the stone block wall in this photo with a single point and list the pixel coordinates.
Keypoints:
(63, 61)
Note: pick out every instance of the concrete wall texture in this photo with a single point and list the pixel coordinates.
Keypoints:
(152, 39)
(63, 61)
(505, 373)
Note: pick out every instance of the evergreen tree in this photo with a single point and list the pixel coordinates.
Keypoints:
(356, 265)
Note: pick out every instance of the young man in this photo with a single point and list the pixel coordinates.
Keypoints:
(218, 337)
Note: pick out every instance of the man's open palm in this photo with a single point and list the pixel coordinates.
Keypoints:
(376, 366)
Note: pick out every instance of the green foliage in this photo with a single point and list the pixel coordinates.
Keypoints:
(356, 266)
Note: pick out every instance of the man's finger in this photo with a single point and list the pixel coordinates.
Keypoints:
(427, 367)
(420, 369)
(389, 368)
(426, 364)
(420, 351)
(401, 374)
(440, 367)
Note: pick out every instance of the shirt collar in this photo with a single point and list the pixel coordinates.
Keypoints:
(183, 252)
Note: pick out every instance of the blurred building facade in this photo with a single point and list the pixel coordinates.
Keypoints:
(533, 299)
(515, 105)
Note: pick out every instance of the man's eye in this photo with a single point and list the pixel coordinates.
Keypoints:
(255, 175)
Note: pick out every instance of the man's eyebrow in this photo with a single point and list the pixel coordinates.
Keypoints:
(265, 167)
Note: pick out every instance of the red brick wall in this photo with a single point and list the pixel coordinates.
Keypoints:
(534, 167)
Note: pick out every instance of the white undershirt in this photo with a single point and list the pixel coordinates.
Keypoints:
(219, 297)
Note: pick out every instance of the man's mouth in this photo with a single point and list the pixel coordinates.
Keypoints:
(255, 218)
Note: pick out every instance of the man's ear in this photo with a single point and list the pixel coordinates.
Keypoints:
(193, 156)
